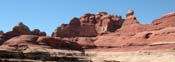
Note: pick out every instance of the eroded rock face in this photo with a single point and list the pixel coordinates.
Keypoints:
(38, 32)
(88, 19)
(42, 34)
(19, 29)
(89, 25)
(130, 18)
(30, 40)
(172, 14)
(159, 31)
(163, 22)
(131, 26)
(86, 42)
(1, 37)
(75, 22)
(1, 32)
(108, 23)
(21, 40)
(58, 43)
(83, 34)
(74, 30)
(120, 32)
(35, 32)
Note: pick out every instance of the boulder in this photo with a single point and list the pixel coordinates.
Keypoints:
(130, 13)
(35, 32)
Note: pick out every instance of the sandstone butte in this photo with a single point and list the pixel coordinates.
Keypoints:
(101, 34)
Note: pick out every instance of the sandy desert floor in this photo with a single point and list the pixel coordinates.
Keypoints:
(134, 56)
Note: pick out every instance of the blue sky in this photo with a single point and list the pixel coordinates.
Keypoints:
(46, 15)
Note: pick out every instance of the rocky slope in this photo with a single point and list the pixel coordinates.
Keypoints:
(100, 37)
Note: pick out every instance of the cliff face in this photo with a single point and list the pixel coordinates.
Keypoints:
(101, 29)
(100, 32)
(134, 33)
(89, 25)
(105, 30)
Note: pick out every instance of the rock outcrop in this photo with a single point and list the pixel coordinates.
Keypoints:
(160, 30)
(22, 40)
(86, 42)
(19, 29)
(91, 32)
(74, 29)
(84, 31)
(89, 25)
(107, 23)
(22, 36)
(58, 43)
(38, 32)
(123, 31)
(130, 19)
(163, 22)
(1, 37)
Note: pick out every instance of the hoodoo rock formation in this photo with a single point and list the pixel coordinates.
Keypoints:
(130, 18)
(86, 38)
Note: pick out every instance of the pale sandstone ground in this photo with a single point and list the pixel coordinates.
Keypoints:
(134, 56)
